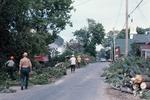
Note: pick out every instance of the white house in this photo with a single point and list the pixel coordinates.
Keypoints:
(57, 47)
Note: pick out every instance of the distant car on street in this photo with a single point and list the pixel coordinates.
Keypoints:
(103, 60)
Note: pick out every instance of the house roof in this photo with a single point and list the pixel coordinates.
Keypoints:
(59, 41)
(53, 45)
(141, 38)
(137, 38)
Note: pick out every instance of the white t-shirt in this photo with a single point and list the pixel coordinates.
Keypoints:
(10, 63)
(72, 60)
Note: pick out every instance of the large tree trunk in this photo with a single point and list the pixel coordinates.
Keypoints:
(138, 79)
(145, 85)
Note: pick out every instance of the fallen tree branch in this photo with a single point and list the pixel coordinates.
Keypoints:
(123, 89)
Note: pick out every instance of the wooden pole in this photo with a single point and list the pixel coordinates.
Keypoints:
(114, 38)
(126, 39)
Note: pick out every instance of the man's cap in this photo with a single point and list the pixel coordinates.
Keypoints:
(25, 54)
(72, 55)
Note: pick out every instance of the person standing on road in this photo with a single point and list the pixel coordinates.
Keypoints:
(79, 60)
(25, 68)
(73, 63)
(10, 64)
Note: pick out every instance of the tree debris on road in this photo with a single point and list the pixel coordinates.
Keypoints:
(129, 75)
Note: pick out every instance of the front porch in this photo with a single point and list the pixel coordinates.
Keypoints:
(145, 51)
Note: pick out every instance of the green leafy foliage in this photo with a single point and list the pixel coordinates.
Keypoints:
(140, 30)
(122, 34)
(107, 42)
(45, 18)
(120, 71)
(145, 95)
(135, 49)
(89, 37)
(47, 75)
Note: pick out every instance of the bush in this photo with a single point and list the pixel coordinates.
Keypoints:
(46, 75)
(120, 71)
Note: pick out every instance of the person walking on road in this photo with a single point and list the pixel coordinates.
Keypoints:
(10, 64)
(25, 68)
(73, 63)
(79, 60)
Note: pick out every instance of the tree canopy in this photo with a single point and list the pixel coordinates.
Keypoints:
(140, 30)
(45, 18)
(107, 42)
(90, 36)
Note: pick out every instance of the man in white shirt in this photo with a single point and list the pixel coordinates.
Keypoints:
(72, 63)
(10, 64)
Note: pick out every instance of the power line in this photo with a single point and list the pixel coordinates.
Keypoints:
(135, 8)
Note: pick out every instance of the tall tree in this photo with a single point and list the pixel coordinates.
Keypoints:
(96, 30)
(83, 37)
(122, 34)
(90, 36)
(140, 30)
(107, 42)
(18, 17)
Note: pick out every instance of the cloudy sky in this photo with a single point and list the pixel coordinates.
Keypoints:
(111, 13)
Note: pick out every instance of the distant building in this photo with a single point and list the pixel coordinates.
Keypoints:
(57, 47)
(142, 40)
(120, 45)
(54, 49)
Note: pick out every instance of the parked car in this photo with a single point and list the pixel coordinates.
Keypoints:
(103, 60)
(110, 60)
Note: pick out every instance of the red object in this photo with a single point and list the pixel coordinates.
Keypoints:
(145, 46)
(41, 58)
(117, 52)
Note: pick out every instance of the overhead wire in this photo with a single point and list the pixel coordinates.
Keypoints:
(86, 1)
(138, 7)
(135, 8)
(133, 11)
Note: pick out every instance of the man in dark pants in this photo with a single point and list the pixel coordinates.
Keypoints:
(72, 63)
(10, 64)
(24, 77)
(25, 68)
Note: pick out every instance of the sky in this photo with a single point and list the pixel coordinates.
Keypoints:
(110, 13)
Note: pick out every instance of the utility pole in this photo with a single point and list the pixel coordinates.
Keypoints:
(126, 39)
(114, 38)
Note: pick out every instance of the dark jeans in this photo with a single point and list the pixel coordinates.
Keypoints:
(24, 77)
(10, 71)
(72, 68)
(79, 64)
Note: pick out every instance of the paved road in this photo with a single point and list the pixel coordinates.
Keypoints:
(84, 84)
